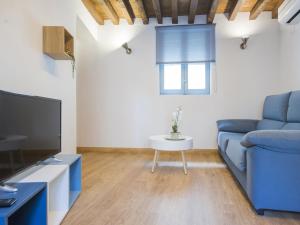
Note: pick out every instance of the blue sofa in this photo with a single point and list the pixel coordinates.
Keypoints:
(264, 155)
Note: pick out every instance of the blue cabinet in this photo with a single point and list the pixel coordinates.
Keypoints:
(75, 180)
(75, 164)
(30, 207)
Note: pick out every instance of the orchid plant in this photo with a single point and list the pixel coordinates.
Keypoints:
(176, 118)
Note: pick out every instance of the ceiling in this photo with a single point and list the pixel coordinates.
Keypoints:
(114, 10)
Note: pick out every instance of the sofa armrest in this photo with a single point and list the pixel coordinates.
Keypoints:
(273, 179)
(237, 125)
(275, 140)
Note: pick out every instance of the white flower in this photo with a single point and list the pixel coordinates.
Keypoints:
(176, 116)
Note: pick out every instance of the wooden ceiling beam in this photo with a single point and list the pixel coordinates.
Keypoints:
(212, 11)
(94, 11)
(131, 9)
(127, 11)
(235, 9)
(157, 10)
(142, 12)
(258, 8)
(109, 10)
(193, 10)
(275, 10)
(175, 11)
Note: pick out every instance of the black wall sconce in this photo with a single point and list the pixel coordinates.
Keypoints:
(243, 45)
(128, 50)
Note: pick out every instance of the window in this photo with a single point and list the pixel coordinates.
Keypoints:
(185, 79)
(184, 55)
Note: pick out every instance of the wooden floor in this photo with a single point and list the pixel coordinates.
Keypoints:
(119, 189)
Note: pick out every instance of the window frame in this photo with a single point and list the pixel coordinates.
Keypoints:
(184, 81)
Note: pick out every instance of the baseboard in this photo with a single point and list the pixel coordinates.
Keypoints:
(113, 150)
(131, 150)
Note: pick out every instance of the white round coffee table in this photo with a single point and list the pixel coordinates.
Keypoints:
(160, 143)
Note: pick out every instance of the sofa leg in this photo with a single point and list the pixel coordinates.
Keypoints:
(260, 212)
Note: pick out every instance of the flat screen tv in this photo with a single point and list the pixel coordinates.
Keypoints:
(30, 131)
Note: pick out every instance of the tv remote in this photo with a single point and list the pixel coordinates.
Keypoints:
(7, 202)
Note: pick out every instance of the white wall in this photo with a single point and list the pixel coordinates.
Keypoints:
(118, 95)
(24, 69)
(290, 57)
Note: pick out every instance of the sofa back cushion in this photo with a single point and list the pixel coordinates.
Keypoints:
(293, 113)
(276, 106)
(269, 125)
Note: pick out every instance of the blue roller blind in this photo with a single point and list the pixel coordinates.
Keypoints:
(185, 44)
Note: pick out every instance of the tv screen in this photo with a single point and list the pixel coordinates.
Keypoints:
(30, 131)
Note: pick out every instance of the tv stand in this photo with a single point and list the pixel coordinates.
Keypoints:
(61, 185)
(7, 188)
(30, 207)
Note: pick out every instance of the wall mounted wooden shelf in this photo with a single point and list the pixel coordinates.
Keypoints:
(58, 43)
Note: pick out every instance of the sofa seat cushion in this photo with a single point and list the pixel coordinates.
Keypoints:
(291, 126)
(223, 138)
(269, 125)
(237, 154)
